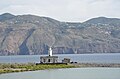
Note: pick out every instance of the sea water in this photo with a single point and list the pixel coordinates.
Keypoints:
(83, 58)
(70, 73)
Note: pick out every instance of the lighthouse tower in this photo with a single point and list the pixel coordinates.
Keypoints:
(50, 51)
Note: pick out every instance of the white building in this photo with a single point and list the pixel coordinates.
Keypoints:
(50, 58)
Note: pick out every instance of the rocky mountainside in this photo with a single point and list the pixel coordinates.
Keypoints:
(32, 35)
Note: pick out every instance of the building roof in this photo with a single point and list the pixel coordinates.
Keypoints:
(49, 57)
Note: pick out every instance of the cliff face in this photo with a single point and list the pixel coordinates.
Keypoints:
(29, 34)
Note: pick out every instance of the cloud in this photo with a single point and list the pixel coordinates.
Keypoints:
(63, 10)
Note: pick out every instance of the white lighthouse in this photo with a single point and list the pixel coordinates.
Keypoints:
(50, 51)
(50, 58)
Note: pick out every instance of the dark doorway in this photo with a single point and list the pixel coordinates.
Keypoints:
(48, 60)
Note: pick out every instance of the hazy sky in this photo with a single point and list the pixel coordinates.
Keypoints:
(63, 10)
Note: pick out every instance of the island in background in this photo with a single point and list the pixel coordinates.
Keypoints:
(32, 35)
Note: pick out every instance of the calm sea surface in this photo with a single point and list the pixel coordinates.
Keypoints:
(90, 58)
(72, 73)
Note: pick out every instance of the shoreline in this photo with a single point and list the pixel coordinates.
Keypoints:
(12, 68)
(115, 65)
